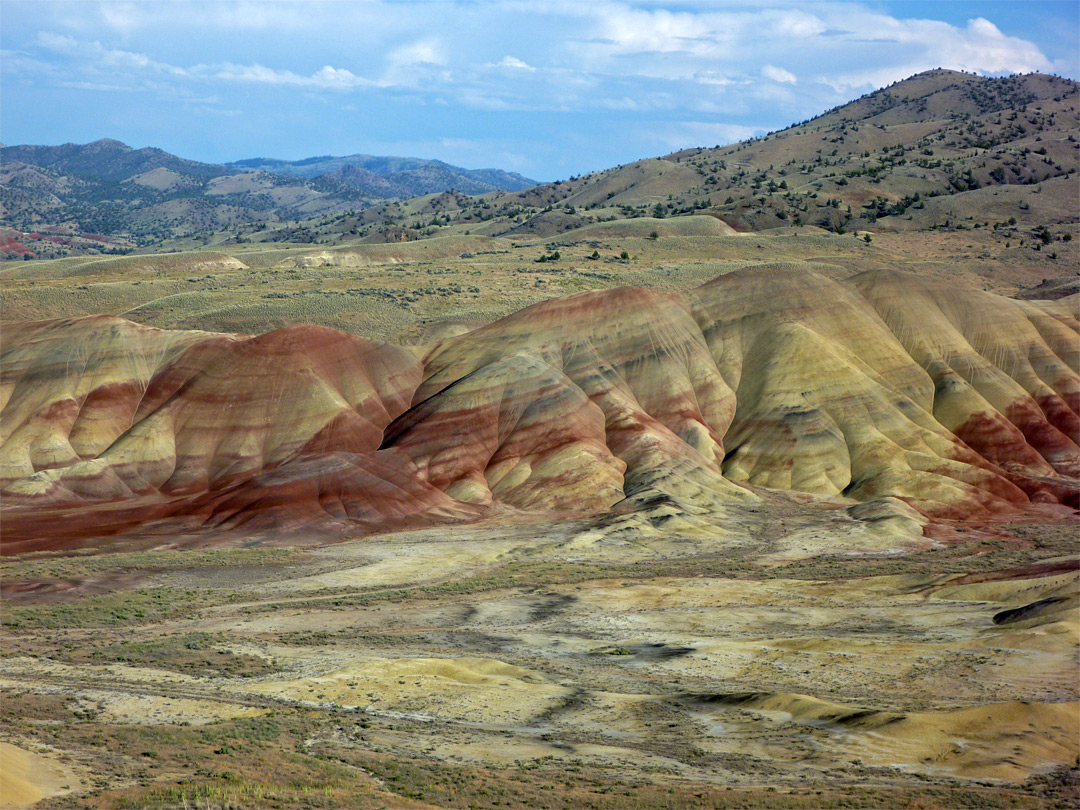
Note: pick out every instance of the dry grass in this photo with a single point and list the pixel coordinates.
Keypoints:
(401, 292)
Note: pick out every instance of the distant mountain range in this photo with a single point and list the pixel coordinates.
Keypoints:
(106, 160)
(146, 195)
(392, 176)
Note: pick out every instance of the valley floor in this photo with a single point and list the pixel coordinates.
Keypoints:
(778, 657)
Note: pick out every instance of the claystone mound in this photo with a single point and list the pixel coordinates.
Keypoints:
(956, 402)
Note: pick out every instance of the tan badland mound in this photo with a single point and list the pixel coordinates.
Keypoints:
(644, 227)
(391, 253)
(999, 741)
(481, 690)
(956, 402)
(70, 268)
(26, 778)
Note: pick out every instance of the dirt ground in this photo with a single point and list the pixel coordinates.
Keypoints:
(787, 658)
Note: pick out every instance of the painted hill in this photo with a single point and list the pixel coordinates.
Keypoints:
(903, 395)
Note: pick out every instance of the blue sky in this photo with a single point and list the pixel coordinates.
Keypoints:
(548, 89)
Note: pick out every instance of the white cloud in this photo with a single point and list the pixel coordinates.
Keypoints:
(127, 18)
(58, 43)
(95, 87)
(116, 61)
(719, 44)
(720, 47)
(778, 74)
(427, 51)
(716, 79)
(623, 31)
(989, 50)
(882, 50)
(102, 57)
(121, 17)
(515, 64)
(257, 74)
(797, 25)
(416, 64)
(327, 77)
(684, 134)
(625, 104)
(22, 62)
(484, 101)
(338, 78)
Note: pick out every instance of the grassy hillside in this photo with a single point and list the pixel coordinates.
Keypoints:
(941, 150)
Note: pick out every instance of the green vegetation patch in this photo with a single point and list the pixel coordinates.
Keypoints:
(143, 606)
(50, 566)
(200, 654)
